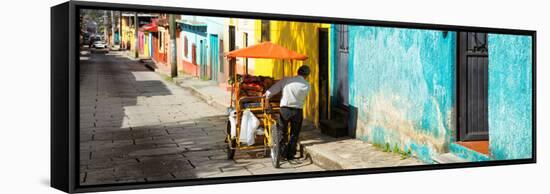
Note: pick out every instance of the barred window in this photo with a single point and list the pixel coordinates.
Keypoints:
(343, 45)
(265, 31)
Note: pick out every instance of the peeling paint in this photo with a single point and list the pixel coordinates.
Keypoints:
(402, 83)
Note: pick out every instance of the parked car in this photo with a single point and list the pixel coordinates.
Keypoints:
(99, 46)
(93, 38)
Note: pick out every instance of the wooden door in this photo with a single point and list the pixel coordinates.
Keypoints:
(214, 57)
(472, 83)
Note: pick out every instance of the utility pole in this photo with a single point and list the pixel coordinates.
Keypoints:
(122, 41)
(105, 26)
(136, 42)
(173, 53)
(113, 27)
(120, 29)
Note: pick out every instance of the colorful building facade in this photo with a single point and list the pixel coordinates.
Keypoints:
(403, 89)
(161, 43)
(201, 46)
(127, 37)
(145, 39)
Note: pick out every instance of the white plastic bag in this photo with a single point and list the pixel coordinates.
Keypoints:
(249, 124)
(233, 123)
(244, 127)
(260, 131)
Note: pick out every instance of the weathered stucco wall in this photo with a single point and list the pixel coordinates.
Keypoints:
(510, 95)
(402, 82)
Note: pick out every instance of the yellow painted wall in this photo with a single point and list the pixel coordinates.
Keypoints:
(330, 66)
(302, 38)
(124, 29)
(128, 33)
(132, 38)
(146, 45)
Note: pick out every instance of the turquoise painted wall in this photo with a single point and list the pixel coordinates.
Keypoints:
(402, 82)
(216, 26)
(333, 33)
(510, 94)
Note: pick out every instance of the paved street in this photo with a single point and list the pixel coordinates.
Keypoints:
(137, 127)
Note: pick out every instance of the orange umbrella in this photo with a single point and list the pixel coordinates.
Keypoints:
(266, 50)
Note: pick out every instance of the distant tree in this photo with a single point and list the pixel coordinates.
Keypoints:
(92, 17)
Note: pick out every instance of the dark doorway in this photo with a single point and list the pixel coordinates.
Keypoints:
(472, 84)
(341, 111)
(232, 61)
(202, 59)
(323, 74)
(194, 54)
(334, 123)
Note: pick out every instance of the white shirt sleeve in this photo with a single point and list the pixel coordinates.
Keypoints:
(275, 89)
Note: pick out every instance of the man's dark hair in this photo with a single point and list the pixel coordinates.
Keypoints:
(304, 70)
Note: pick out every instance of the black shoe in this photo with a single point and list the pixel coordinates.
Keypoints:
(295, 161)
(290, 156)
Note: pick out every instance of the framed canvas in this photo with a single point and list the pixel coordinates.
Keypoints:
(146, 96)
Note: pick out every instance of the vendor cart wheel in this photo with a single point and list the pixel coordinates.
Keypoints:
(231, 149)
(275, 148)
(231, 143)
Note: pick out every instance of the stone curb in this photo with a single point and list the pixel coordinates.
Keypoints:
(321, 159)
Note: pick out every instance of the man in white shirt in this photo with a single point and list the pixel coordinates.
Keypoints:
(295, 90)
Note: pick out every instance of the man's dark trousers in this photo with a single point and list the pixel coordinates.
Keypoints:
(293, 116)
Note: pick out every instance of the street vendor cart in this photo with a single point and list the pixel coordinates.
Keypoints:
(247, 99)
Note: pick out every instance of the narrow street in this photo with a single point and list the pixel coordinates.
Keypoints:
(137, 127)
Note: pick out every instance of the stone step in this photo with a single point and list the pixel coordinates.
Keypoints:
(341, 154)
(321, 156)
(448, 158)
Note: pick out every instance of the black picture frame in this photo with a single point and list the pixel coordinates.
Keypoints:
(65, 90)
